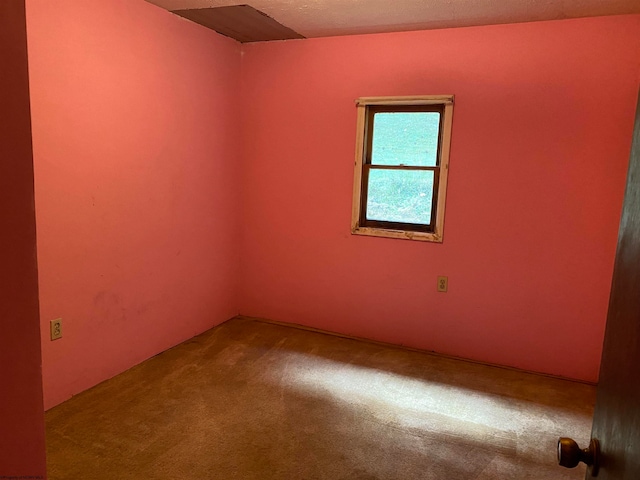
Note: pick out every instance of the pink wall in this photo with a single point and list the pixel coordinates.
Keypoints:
(161, 165)
(21, 413)
(136, 150)
(541, 138)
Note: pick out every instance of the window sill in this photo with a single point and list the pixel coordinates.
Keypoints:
(401, 234)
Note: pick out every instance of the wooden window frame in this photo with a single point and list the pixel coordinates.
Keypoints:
(369, 106)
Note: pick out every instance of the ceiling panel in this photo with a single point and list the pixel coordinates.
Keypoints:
(240, 22)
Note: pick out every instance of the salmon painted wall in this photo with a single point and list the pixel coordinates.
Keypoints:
(22, 443)
(541, 137)
(136, 151)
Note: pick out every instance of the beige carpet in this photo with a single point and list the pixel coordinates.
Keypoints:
(251, 400)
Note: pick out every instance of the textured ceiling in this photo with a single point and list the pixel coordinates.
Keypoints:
(321, 18)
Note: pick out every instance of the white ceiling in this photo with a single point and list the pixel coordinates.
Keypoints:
(322, 18)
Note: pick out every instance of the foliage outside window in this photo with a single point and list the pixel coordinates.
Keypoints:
(402, 161)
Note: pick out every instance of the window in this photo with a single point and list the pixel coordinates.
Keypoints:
(402, 160)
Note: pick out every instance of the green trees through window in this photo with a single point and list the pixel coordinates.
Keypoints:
(403, 139)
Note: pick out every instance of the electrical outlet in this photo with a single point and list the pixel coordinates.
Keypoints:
(443, 284)
(56, 329)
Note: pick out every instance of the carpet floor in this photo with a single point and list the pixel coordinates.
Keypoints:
(253, 400)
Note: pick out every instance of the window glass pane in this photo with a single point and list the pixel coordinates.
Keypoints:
(400, 195)
(405, 138)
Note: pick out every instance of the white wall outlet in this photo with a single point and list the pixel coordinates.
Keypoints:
(56, 329)
(443, 284)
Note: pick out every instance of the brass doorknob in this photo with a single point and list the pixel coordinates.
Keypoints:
(570, 454)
